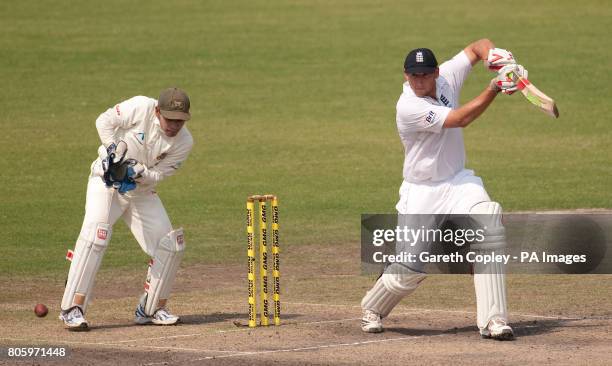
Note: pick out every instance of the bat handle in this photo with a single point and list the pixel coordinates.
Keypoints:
(522, 83)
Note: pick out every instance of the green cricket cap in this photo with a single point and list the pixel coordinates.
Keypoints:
(174, 103)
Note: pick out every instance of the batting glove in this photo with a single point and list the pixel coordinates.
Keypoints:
(498, 58)
(507, 79)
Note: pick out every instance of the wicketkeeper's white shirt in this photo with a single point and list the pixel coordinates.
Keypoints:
(433, 153)
(134, 121)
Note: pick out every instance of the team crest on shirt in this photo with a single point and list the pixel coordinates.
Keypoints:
(140, 137)
(160, 157)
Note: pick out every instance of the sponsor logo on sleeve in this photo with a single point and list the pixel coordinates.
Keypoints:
(430, 117)
(180, 240)
(444, 100)
(118, 110)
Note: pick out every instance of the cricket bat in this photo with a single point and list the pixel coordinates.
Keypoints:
(536, 97)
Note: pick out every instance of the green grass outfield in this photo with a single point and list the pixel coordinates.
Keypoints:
(295, 98)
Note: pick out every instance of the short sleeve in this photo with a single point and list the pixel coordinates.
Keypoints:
(456, 70)
(417, 115)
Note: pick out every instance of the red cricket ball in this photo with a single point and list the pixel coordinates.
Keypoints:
(41, 310)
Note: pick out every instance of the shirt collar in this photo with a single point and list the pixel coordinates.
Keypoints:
(440, 83)
(155, 119)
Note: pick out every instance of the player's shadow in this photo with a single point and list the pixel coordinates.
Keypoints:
(196, 319)
(242, 320)
(521, 328)
(537, 327)
(237, 318)
(193, 319)
(416, 332)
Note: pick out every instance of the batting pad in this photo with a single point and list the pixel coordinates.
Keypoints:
(489, 278)
(162, 270)
(397, 282)
(88, 253)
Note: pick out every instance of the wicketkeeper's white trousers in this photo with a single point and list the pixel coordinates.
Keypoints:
(143, 213)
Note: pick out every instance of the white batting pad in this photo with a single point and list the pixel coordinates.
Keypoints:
(162, 270)
(397, 282)
(89, 250)
(489, 279)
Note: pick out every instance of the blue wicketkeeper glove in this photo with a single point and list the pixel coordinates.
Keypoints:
(128, 183)
(120, 173)
(112, 164)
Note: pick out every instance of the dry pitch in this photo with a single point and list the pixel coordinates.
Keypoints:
(561, 319)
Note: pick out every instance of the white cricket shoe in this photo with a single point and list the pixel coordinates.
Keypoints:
(161, 317)
(73, 319)
(371, 322)
(497, 329)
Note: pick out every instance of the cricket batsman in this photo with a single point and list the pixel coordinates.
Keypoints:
(430, 121)
(143, 141)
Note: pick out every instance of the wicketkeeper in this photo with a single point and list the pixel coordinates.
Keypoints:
(429, 121)
(143, 141)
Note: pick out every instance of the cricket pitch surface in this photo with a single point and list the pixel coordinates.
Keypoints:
(561, 319)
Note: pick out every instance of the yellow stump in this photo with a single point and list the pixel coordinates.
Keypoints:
(276, 261)
(263, 259)
(251, 258)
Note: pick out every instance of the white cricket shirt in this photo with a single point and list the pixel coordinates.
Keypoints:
(433, 153)
(134, 121)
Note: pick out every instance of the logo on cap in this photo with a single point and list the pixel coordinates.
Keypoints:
(173, 103)
(419, 57)
(177, 105)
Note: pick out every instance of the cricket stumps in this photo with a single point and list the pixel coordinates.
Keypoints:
(263, 200)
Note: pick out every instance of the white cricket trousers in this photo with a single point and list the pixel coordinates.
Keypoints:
(143, 213)
(456, 195)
